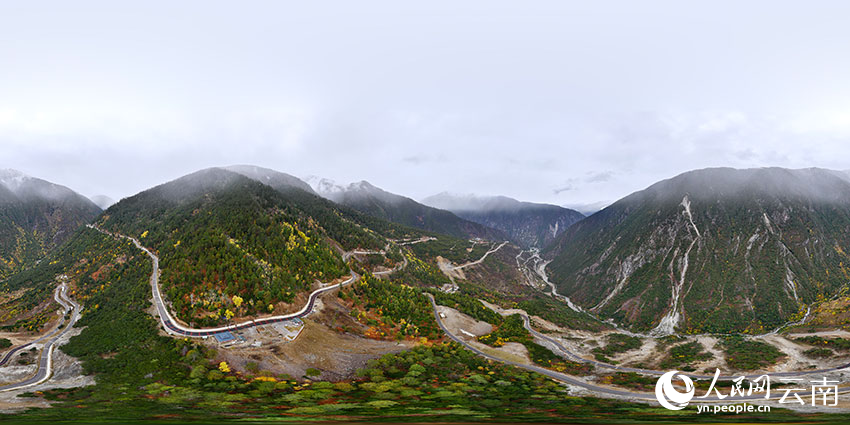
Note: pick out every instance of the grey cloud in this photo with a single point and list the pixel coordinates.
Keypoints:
(505, 99)
(560, 190)
(416, 159)
(423, 159)
(568, 186)
(591, 178)
(746, 154)
(603, 176)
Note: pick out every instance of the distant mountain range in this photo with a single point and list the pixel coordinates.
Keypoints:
(276, 179)
(220, 231)
(102, 201)
(379, 203)
(35, 217)
(528, 224)
(588, 208)
(715, 250)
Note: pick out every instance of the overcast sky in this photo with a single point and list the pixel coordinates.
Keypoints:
(557, 101)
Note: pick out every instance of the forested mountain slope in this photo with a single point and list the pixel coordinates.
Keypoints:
(376, 202)
(713, 250)
(35, 217)
(222, 235)
(526, 223)
(276, 179)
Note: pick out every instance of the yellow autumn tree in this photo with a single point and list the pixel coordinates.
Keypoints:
(228, 314)
(224, 367)
(237, 300)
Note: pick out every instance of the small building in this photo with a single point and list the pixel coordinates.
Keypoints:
(289, 329)
(224, 337)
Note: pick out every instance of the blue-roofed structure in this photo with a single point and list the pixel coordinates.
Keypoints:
(223, 337)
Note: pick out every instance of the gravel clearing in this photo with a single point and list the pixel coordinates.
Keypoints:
(462, 325)
(67, 373)
(468, 329)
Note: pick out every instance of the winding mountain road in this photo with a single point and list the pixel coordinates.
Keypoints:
(480, 260)
(394, 269)
(575, 357)
(609, 391)
(401, 242)
(540, 269)
(45, 361)
(173, 327)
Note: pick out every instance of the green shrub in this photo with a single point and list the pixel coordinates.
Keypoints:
(618, 343)
(819, 353)
(745, 354)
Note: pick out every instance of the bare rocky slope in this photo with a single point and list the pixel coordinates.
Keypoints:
(714, 250)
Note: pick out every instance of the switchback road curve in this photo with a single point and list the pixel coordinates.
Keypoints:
(171, 325)
(45, 361)
(632, 395)
(575, 357)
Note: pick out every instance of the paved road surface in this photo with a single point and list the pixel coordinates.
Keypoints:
(480, 260)
(45, 360)
(577, 358)
(633, 395)
(175, 328)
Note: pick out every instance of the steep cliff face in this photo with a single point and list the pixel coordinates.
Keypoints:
(714, 250)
